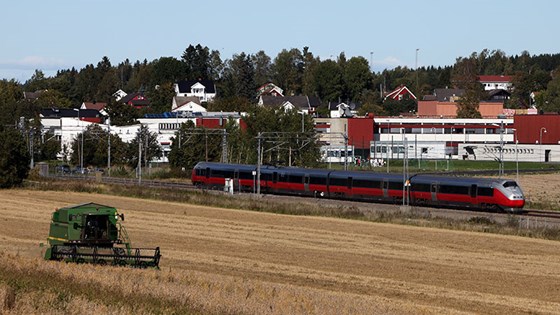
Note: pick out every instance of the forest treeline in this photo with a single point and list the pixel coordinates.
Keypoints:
(297, 72)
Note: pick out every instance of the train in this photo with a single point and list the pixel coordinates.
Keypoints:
(485, 194)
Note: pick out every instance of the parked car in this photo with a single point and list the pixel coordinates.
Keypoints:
(62, 169)
(79, 170)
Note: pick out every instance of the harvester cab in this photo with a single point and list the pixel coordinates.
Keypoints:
(93, 233)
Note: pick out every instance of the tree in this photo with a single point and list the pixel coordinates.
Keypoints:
(197, 62)
(328, 81)
(161, 98)
(149, 147)
(96, 148)
(288, 71)
(550, 100)
(357, 78)
(14, 157)
(192, 145)
(121, 114)
(263, 68)
(465, 76)
(167, 70)
(239, 77)
(37, 82)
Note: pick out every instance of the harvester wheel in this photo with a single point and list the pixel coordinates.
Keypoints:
(80, 261)
(143, 265)
(101, 262)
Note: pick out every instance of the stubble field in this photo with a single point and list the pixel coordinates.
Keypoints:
(232, 261)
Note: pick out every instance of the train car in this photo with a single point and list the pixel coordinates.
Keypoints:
(293, 180)
(385, 187)
(429, 190)
(213, 175)
(466, 192)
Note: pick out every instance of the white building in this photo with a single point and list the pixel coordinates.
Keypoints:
(204, 90)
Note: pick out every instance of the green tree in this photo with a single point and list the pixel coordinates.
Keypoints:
(194, 144)
(161, 98)
(37, 82)
(465, 76)
(357, 78)
(550, 99)
(239, 77)
(121, 114)
(52, 98)
(96, 148)
(167, 70)
(328, 81)
(197, 62)
(149, 147)
(14, 157)
(263, 68)
(288, 71)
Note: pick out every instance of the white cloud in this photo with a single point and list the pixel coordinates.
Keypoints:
(389, 62)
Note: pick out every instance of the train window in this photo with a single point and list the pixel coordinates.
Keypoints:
(295, 179)
(396, 185)
(318, 180)
(207, 172)
(421, 187)
(485, 191)
(245, 175)
(453, 189)
(275, 177)
(509, 184)
(349, 182)
(338, 181)
(364, 183)
(306, 180)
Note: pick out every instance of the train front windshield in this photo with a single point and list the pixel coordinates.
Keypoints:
(512, 185)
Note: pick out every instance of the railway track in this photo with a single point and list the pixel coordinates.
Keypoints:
(542, 214)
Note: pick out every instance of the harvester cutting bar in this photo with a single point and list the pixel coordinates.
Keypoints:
(117, 256)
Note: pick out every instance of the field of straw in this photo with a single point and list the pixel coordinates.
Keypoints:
(240, 262)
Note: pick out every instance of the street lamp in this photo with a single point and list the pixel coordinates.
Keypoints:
(540, 138)
(82, 144)
(416, 69)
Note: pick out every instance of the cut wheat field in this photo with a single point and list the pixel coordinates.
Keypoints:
(240, 262)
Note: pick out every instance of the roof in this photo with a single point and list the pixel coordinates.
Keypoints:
(185, 85)
(446, 95)
(402, 89)
(498, 92)
(299, 101)
(32, 95)
(96, 106)
(69, 112)
(182, 100)
(495, 78)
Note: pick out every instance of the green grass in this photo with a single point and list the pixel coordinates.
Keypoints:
(423, 166)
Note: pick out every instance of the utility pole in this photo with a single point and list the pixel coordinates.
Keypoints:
(139, 160)
(259, 163)
(109, 147)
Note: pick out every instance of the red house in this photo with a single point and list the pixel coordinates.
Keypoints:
(136, 100)
(400, 93)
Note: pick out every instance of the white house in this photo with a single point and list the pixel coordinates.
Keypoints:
(496, 82)
(187, 104)
(204, 90)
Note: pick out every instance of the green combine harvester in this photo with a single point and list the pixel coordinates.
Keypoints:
(93, 233)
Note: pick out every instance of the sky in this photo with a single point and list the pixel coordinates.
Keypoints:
(61, 34)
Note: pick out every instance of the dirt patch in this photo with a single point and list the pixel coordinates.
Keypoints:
(396, 269)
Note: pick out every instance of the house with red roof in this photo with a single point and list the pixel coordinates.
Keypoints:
(496, 82)
(399, 94)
